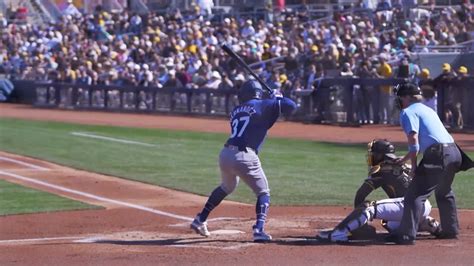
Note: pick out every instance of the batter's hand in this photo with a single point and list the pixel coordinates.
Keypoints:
(277, 94)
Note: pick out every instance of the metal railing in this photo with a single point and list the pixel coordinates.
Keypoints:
(441, 48)
(348, 100)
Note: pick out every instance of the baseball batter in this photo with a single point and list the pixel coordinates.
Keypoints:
(249, 123)
(385, 172)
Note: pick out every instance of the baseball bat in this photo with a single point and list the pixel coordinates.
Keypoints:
(242, 63)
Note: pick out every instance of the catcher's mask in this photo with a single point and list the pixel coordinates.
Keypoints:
(404, 89)
(251, 89)
(377, 149)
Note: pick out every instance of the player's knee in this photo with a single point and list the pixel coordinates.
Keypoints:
(228, 188)
(370, 212)
(368, 209)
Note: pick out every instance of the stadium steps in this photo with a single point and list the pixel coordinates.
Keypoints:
(36, 13)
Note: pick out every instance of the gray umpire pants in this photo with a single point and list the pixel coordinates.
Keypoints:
(244, 164)
(435, 173)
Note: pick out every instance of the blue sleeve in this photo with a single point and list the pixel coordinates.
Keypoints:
(410, 122)
(287, 106)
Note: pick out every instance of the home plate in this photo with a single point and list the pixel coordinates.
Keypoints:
(226, 232)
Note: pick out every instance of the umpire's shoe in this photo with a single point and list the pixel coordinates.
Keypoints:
(200, 227)
(260, 236)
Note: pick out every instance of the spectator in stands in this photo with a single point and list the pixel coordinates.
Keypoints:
(346, 70)
(465, 12)
(407, 69)
(429, 94)
(172, 81)
(3, 21)
(205, 7)
(383, 5)
(459, 98)
(385, 71)
(311, 77)
(248, 30)
(463, 72)
(274, 80)
(364, 94)
(215, 81)
(71, 9)
(446, 94)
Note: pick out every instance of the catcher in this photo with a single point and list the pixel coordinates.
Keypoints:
(394, 179)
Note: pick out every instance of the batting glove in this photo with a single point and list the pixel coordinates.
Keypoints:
(277, 94)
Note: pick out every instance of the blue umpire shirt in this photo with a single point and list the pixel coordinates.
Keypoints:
(251, 120)
(423, 120)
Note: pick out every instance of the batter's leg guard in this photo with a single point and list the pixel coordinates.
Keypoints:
(261, 209)
(215, 199)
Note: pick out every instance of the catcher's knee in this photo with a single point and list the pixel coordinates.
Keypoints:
(368, 208)
(358, 217)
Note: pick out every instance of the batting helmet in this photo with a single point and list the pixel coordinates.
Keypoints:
(251, 89)
(377, 150)
(407, 88)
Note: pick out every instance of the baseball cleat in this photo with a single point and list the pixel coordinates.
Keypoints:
(200, 227)
(260, 236)
(335, 236)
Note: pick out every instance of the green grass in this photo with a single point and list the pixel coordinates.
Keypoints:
(15, 199)
(299, 172)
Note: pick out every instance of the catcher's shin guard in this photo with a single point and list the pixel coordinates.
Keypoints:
(358, 217)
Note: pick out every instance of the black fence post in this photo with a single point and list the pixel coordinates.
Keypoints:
(57, 91)
(189, 100)
(349, 96)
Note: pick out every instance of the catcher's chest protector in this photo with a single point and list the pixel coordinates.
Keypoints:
(394, 178)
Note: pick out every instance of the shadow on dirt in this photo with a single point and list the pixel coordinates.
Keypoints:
(378, 240)
(168, 242)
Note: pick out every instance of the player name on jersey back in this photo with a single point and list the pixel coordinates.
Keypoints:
(243, 109)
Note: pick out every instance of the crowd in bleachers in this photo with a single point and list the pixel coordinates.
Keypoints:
(182, 48)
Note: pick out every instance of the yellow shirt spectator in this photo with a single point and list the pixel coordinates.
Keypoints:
(385, 70)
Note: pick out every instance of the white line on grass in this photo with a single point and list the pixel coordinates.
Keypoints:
(93, 136)
(36, 167)
(87, 195)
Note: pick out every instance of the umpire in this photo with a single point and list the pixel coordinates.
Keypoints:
(442, 158)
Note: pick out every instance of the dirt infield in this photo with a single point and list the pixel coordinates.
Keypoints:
(142, 224)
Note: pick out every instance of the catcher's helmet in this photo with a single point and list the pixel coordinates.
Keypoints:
(407, 88)
(251, 89)
(377, 150)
